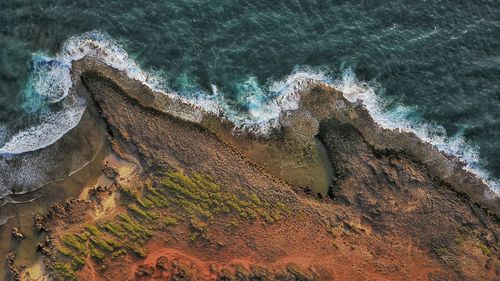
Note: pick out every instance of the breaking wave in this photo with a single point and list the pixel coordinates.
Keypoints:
(53, 126)
(260, 106)
(403, 118)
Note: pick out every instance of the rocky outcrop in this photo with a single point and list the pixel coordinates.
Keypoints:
(326, 103)
(392, 209)
(145, 271)
(73, 211)
(161, 263)
(16, 233)
(13, 270)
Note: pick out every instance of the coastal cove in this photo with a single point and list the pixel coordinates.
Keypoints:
(411, 72)
(228, 140)
(369, 164)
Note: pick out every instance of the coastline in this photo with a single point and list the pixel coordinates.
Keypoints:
(322, 102)
(164, 138)
(262, 118)
(82, 151)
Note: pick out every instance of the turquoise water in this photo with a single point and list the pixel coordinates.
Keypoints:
(432, 66)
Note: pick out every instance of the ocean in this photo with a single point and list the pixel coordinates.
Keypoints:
(430, 67)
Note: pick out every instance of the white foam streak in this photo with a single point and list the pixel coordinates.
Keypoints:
(263, 105)
(397, 118)
(4, 220)
(52, 128)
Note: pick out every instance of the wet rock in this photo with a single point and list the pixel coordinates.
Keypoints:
(100, 193)
(145, 270)
(42, 248)
(10, 258)
(161, 263)
(13, 270)
(16, 233)
(39, 222)
(109, 172)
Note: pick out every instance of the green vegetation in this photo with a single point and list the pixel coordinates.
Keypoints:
(72, 241)
(138, 250)
(115, 229)
(486, 251)
(64, 271)
(93, 230)
(118, 253)
(459, 240)
(168, 221)
(199, 196)
(234, 223)
(102, 244)
(142, 213)
(175, 199)
(96, 253)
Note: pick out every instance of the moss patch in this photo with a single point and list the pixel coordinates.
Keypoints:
(196, 202)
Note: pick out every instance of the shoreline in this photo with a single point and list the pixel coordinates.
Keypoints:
(186, 110)
(100, 47)
(90, 140)
(372, 167)
(331, 103)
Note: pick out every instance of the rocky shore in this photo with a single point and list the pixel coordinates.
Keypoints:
(188, 199)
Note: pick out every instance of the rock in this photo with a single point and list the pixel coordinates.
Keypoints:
(10, 258)
(260, 272)
(226, 275)
(161, 263)
(100, 193)
(42, 248)
(181, 273)
(145, 270)
(16, 233)
(14, 272)
(109, 172)
(298, 273)
(39, 222)
(73, 211)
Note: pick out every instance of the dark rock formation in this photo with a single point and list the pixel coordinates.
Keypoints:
(145, 271)
(13, 270)
(73, 211)
(161, 263)
(16, 233)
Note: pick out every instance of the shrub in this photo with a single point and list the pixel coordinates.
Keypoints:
(486, 251)
(168, 221)
(64, 271)
(115, 229)
(72, 241)
(96, 253)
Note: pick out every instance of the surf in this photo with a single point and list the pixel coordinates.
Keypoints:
(259, 111)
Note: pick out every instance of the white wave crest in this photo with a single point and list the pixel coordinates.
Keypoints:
(54, 125)
(263, 105)
(397, 118)
(4, 220)
(50, 78)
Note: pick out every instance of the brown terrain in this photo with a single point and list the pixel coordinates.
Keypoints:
(185, 198)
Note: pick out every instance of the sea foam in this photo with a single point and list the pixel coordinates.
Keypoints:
(397, 118)
(263, 105)
(53, 126)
